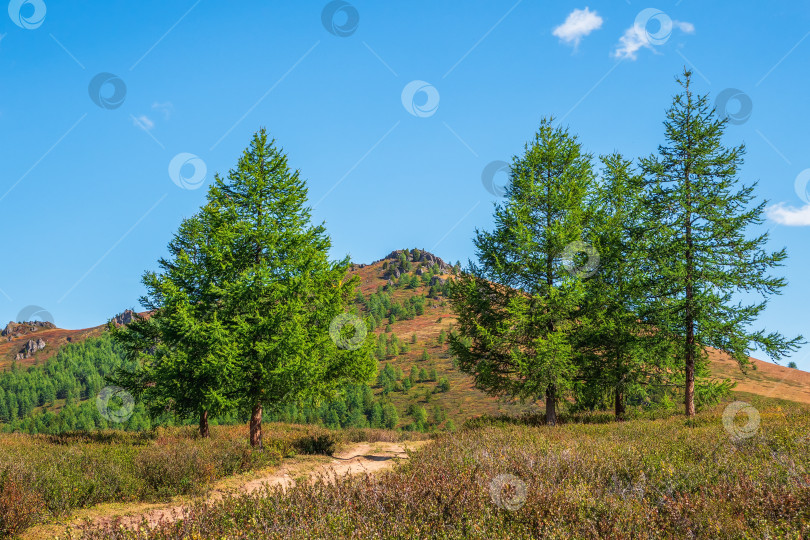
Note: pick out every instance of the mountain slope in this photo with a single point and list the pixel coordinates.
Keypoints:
(763, 378)
(414, 318)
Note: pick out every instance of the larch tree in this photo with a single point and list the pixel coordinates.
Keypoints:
(248, 312)
(705, 266)
(282, 299)
(620, 351)
(515, 306)
(183, 352)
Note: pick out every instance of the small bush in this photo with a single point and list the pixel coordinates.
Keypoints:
(20, 505)
(317, 443)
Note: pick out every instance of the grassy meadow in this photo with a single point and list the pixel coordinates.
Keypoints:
(44, 478)
(497, 478)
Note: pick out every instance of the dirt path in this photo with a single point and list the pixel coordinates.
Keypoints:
(356, 458)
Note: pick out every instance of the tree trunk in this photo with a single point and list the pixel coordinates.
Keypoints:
(256, 426)
(204, 432)
(619, 404)
(689, 392)
(689, 386)
(551, 405)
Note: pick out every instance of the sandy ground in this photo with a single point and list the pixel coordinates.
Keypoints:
(356, 458)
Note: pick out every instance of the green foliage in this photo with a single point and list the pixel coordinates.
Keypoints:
(701, 255)
(508, 304)
(422, 374)
(76, 374)
(620, 353)
(317, 443)
(390, 417)
(242, 310)
(439, 414)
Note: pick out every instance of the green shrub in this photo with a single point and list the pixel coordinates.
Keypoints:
(323, 443)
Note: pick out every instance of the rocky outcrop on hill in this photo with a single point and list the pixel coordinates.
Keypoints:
(18, 329)
(419, 256)
(30, 348)
(124, 318)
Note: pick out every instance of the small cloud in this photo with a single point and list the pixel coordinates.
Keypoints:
(788, 215)
(633, 39)
(577, 25)
(685, 27)
(638, 36)
(166, 108)
(143, 122)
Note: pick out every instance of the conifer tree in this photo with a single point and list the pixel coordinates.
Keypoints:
(245, 310)
(701, 251)
(283, 294)
(514, 305)
(183, 356)
(620, 352)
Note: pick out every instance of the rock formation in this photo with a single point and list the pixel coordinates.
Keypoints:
(124, 318)
(15, 330)
(30, 348)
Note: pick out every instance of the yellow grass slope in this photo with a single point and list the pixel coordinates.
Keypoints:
(764, 378)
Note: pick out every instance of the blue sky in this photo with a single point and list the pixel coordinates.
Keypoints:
(87, 202)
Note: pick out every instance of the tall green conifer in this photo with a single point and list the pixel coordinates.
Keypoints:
(515, 306)
(705, 265)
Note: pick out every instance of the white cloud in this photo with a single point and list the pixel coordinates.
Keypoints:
(788, 215)
(685, 27)
(143, 122)
(166, 108)
(633, 39)
(577, 25)
(637, 36)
